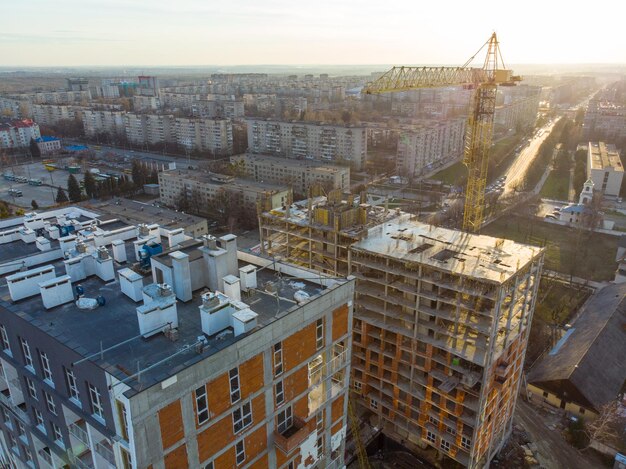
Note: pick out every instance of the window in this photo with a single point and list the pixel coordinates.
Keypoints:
(279, 393)
(466, 443)
(430, 436)
(45, 366)
(14, 444)
(445, 445)
(72, 387)
(450, 430)
(357, 386)
(58, 435)
(32, 390)
(320, 445)
(126, 459)
(545, 394)
(123, 417)
(278, 358)
(21, 431)
(233, 377)
(284, 420)
(28, 455)
(319, 334)
(433, 420)
(96, 402)
(209, 465)
(240, 451)
(28, 358)
(374, 404)
(202, 405)
(39, 420)
(4, 338)
(242, 417)
(50, 403)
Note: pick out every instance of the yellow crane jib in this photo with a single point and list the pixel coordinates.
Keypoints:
(484, 81)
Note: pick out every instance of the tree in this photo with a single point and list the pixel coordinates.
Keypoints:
(608, 427)
(34, 149)
(90, 185)
(34, 204)
(139, 174)
(61, 197)
(73, 189)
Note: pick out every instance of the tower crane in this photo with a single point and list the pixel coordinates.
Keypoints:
(484, 81)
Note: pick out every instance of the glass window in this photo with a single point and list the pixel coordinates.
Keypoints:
(202, 405)
(50, 403)
(430, 436)
(72, 386)
(96, 402)
(466, 443)
(240, 451)
(279, 393)
(45, 366)
(284, 420)
(278, 359)
(5, 340)
(39, 420)
(28, 358)
(233, 376)
(57, 433)
(319, 333)
(242, 417)
(32, 390)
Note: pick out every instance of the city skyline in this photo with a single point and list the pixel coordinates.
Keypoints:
(141, 33)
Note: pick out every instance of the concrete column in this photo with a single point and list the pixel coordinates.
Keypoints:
(182, 275)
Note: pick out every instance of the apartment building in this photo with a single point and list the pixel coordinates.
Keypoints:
(213, 135)
(604, 120)
(317, 233)
(604, 168)
(299, 175)
(146, 103)
(150, 128)
(51, 114)
(16, 107)
(441, 326)
(197, 358)
(429, 144)
(305, 140)
(16, 133)
(218, 106)
(209, 187)
(517, 106)
(58, 97)
(103, 121)
(148, 86)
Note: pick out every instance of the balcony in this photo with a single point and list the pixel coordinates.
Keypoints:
(294, 435)
(79, 433)
(104, 449)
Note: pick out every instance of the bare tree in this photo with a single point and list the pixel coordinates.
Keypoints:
(608, 427)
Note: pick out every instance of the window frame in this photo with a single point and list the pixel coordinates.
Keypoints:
(50, 404)
(97, 407)
(319, 334)
(284, 419)
(235, 388)
(28, 357)
(431, 437)
(445, 445)
(205, 407)
(32, 389)
(277, 358)
(240, 452)
(242, 417)
(466, 443)
(72, 387)
(45, 368)
(4, 340)
(39, 420)
(57, 434)
(279, 392)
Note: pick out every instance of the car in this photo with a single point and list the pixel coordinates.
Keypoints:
(551, 216)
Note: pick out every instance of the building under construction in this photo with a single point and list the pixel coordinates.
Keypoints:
(318, 232)
(442, 319)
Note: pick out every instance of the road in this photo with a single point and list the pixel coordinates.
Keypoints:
(553, 451)
(527, 155)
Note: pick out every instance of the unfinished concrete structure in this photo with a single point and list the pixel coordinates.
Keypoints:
(317, 233)
(441, 326)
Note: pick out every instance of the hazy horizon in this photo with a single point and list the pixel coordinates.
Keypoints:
(190, 33)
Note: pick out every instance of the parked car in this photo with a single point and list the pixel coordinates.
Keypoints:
(551, 216)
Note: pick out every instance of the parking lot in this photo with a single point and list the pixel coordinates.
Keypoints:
(44, 194)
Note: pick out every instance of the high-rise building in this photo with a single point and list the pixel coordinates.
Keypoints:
(604, 168)
(148, 86)
(604, 120)
(442, 320)
(16, 133)
(306, 140)
(136, 347)
(103, 121)
(77, 84)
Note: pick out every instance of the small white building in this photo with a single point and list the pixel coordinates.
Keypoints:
(48, 145)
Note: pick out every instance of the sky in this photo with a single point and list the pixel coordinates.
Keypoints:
(247, 32)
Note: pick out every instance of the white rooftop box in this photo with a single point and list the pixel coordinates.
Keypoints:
(131, 284)
(56, 291)
(158, 311)
(25, 284)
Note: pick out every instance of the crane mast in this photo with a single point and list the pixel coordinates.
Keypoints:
(484, 81)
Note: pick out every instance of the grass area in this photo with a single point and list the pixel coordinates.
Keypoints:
(556, 186)
(452, 174)
(557, 301)
(569, 251)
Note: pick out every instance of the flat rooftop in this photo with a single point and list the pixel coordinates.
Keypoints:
(133, 213)
(291, 163)
(157, 357)
(477, 256)
(224, 181)
(604, 156)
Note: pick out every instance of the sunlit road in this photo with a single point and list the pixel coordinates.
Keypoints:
(527, 155)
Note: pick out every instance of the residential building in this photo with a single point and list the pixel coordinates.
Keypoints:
(317, 233)
(218, 106)
(206, 189)
(517, 106)
(17, 107)
(299, 175)
(16, 133)
(585, 370)
(150, 129)
(306, 140)
(604, 120)
(428, 145)
(212, 135)
(146, 103)
(48, 145)
(51, 114)
(148, 86)
(604, 168)
(442, 319)
(77, 84)
(197, 358)
(103, 121)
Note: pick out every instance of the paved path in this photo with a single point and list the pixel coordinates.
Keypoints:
(553, 452)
